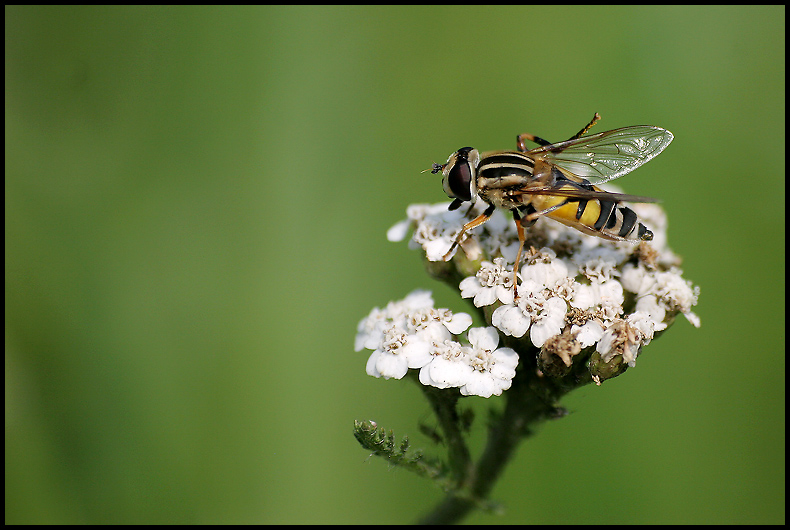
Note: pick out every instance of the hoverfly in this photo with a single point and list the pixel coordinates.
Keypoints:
(556, 180)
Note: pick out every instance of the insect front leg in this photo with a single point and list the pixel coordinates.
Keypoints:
(474, 223)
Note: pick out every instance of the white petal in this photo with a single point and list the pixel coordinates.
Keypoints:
(483, 338)
(398, 231)
(510, 320)
(648, 304)
(418, 299)
(417, 353)
(610, 292)
(506, 358)
(394, 366)
(370, 368)
(604, 345)
(584, 298)
(504, 294)
(486, 296)
(436, 249)
(469, 287)
(434, 332)
(693, 319)
(425, 377)
(359, 341)
(540, 333)
(449, 373)
(589, 334)
(458, 323)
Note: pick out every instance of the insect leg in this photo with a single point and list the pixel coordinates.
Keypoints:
(534, 215)
(521, 222)
(586, 127)
(474, 223)
(521, 239)
(521, 138)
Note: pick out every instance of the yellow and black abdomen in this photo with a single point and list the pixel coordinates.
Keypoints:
(604, 218)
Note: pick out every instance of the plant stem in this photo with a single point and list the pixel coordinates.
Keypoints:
(530, 401)
(444, 406)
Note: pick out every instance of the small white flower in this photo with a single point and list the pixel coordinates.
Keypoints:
(448, 368)
(545, 269)
(369, 330)
(600, 269)
(480, 369)
(398, 352)
(644, 325)
(548, 321)
(492, 282)
(650, 307)
(609, 312)
(669, 288)
(637, 279)
(674, 291)
(536, 310)
(492, 369)
(435, 228)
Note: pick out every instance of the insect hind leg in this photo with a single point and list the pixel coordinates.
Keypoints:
(521, 138)
(524, 219)
(529, 219)
(587, 127)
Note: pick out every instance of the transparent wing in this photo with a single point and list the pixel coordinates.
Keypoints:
(608, 155)
(587, 194)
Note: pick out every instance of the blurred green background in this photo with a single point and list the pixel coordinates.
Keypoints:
(196, 207)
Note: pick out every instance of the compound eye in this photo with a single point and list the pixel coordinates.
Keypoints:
(459, 180)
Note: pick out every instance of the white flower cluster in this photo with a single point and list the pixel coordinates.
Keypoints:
(582, 293)
(411, 333)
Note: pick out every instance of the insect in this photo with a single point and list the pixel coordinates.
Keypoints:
(556, 180)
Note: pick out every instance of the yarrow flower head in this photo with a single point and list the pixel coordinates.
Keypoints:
(606, 298)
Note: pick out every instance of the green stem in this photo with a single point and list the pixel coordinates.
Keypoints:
(444, 403)
(530, 401)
